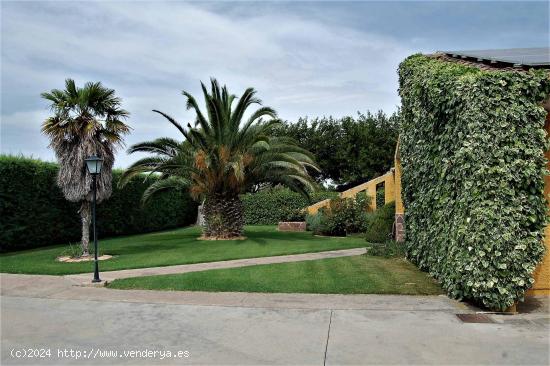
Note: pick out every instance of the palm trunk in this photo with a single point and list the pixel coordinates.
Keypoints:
(85, 215)
(223, 217)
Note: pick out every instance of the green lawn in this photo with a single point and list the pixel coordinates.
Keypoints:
(175, 247)
(348, 275)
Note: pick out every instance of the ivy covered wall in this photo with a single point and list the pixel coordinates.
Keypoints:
(472, 146)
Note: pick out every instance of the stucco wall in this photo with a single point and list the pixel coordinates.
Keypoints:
(399, 208)
(368, 187)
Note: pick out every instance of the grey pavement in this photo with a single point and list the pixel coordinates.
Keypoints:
(84, 278)
(50, 313)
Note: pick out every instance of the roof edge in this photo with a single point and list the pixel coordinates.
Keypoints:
(484, 64)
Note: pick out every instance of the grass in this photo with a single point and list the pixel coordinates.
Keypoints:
(175, 247)
(348, 275)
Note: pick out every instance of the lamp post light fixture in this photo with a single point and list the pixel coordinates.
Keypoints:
(94, 165)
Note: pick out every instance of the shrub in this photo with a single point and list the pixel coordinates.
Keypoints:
(332, 223)
(295, 215)
(34, 212)
(380, 224)
(271, 205)
(387, 249)
(343, 216)
(472, 145)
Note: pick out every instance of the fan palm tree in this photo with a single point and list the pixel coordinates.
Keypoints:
(86, 121)
(222, 155)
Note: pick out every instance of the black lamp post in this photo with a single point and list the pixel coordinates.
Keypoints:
(94, 164)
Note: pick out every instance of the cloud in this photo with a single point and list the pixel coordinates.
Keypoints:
(20, 135)
(310, 60)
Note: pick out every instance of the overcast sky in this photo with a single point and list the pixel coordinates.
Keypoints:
(305, 59)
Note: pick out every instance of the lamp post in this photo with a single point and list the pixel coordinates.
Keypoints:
(94, 164)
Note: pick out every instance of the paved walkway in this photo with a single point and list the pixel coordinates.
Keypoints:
(85, 278)
(121, 327)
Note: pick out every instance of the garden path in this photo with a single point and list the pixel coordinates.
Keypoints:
(85, 278)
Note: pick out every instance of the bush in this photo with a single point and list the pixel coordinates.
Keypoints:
(35, 213)
(388, 249)
(380, 224)
(271, 205)
(332, 223)
(472, 146)
(296, 215)
(343, 216)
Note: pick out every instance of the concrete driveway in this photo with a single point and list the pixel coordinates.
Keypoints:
(47, 317)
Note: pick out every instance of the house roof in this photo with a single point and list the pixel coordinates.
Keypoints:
(511, 57)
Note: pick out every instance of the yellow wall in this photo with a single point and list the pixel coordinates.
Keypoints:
(542, 273)
(312, 210)
(389, 187)
(368, 187)
(399, 208)
(392, 189)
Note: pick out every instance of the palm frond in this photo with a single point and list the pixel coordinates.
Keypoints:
(162, 146)
(222, 155)
(200, 120)
(162, 185)
(173, 121)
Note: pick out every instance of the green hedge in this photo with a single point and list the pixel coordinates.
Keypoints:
(269, 206)
(34, 212)
(472, 149)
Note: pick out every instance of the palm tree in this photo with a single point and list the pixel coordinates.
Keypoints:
(223, 155)
(86, 121)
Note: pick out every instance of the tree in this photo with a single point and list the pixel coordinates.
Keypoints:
(223, 155)
(86, 121)
(349, 150)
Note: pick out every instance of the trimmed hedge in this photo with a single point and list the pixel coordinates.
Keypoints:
(34, 212)
(472, 148)
(269, 206)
